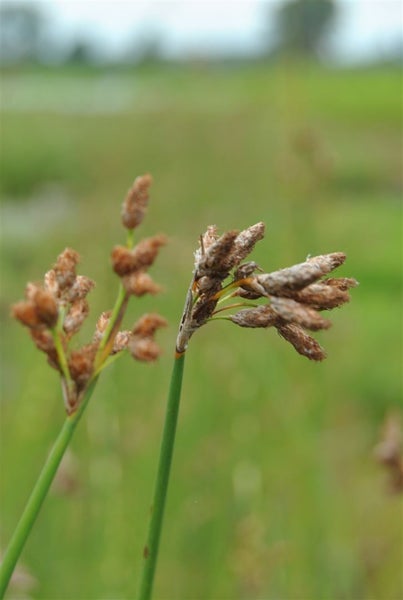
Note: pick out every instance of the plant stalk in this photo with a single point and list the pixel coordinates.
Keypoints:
(150, 552)
(39, 492)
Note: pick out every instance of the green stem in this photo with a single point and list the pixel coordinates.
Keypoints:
(120, 300)
(39, 492)
(161, 485)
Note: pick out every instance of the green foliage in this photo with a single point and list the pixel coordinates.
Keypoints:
(274, 490)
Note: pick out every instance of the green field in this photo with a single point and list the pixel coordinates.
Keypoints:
(275, 492)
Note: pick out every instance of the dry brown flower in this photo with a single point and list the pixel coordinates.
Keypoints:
(140, 283)
(65, 268)
(144, 349)
(55, 311)
(142, 344)
(148, 324)
(126, 261)
(135, 204)
(293, 295)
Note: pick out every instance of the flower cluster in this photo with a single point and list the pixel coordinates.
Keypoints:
(294, 297)
(55, 310)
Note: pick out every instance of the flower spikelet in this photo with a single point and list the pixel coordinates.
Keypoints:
(142, 344)
(56, 310)
(135, 204)
(293, 296)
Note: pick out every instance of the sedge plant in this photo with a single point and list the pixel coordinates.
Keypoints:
(225, 286)
(54, 312)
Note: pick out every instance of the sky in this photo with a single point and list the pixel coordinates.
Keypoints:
(364, 28)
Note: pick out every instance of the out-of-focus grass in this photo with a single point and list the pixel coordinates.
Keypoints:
(275, 492)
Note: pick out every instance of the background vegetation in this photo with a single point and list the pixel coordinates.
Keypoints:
(275, 490)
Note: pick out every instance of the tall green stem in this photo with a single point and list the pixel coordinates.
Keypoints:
(39, 492)
(161, 485)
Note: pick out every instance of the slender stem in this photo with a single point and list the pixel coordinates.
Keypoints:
(161, 485)
(115, 316)
(39, 493)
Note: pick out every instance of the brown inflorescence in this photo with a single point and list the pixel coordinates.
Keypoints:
(141, 343)
(135, 204)
(293, 296)
(55, 311)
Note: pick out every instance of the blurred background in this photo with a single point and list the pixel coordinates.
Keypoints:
(283, 111)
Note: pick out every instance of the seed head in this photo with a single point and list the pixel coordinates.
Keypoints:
(125, 261)
(148, 324)
(135, 204)
(65, 268)
(140, 283)
(293, 295)
(144, 349)
(142, 345)
(76, 316)
(303, 343)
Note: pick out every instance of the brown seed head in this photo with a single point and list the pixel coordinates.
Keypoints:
(245, 242)
(135, 204)
(80, 288)
(125, 261)
(26, 314)
(140, 283)
(144, 349)
(214, 263)
(65, 268)
(303, 343)
(293, 312)
(260, 316)
(81, 364)
(148, 324)
(284, 281)
(50, 282)
(121, 341)
(43, 340)
(45, 306)
(39, 310)
(75, 317)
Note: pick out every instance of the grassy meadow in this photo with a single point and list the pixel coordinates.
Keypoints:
(275, 493)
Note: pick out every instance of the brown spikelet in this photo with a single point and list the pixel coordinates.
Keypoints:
(303, 343)
(81, 287)
(24, 311)
(215, 258)
(148, 324)
(76, 316)
(144, 349)
(245, 242)
(81, 364)
(135, 204)
(43, 340)
(260, 316)
(125, 261)
(121, 341)
(280, 283)
(45, 307)
(140, 283)
(295, 312)
(65, 268)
